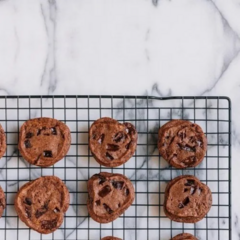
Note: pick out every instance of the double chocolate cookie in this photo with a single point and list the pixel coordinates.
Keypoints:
(112, 143)
(2, 202)
(187, 199)
(41, 203)
(44, 141)
(182, 143)
(111, 238)
(3, 145)
(109, 195)
(184, 236)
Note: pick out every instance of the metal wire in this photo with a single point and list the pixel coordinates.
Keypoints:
(147, 170)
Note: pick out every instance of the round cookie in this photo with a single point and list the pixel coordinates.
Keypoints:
(187, 199)
(44, 141)
(109, 195)
(182, 143)
(3, 145)
(184, 236)
(112, 143)
(41, 203)
(111, 238)
(2, 202)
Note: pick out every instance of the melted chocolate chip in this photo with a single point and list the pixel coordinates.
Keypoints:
(28, 212)
(101, 139)
(108, 156)
(54, 131)
(193, 190)
(190, 182)
(186, 201)
(39, 132)
(101, 178)
(107, 208)
(40, 212)
(105, 191)
(29, 135)
(118, 137)
(126, 192)
(56, 210)
(47, 154)
(128, 145)
(98, 202)
(27, 144)
(118, 184)
(112, 147)
(49, 224)
(28, 201)
(180, 205)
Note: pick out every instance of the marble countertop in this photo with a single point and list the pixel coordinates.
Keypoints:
(129, 47)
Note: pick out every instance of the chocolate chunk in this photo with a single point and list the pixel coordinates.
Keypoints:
(29, 135)
(40, 212)
(186, 201)
(112, 147)
(193, 190)
(39, 132)
(28, 201)
(126, 192)
(105, 191)
(49, 224)
(128, 145)
(28, 212)
(109, 156)
(118, 137)
(98, 202)
(27, 144)
(47, 154)
(56, 210)
(190, 182)
(108, 209)
(54, 131)
(118, 184)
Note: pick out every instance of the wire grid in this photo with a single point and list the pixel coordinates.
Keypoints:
(148, 172)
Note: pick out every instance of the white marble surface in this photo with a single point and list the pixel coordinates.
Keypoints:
(158, 47)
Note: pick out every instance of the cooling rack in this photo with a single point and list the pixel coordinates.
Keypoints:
(148, 172)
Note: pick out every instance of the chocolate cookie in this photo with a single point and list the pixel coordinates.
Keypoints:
(184, 236)
(182, 143)
(112, 143)
(3, 145)
(111, 238)
(41, 203)
(187, 199)
(2, 202)
(44, 141)
(109, 195)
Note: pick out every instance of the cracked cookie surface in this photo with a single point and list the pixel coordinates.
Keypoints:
(182, 143)
(41, 203)
(109, 195)
(44, 141)
(187, 199)
(112, 143)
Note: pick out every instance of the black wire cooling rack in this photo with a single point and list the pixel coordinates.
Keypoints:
(148, 172)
